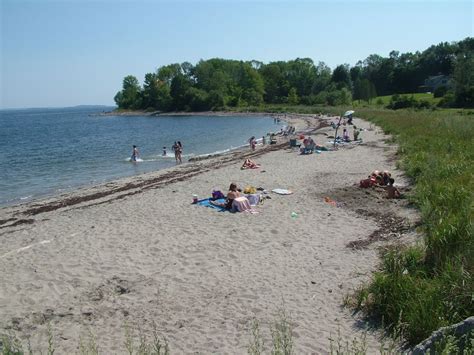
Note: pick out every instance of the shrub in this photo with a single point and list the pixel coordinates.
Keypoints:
(440, 91)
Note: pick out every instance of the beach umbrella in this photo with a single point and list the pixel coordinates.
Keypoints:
(348, 113)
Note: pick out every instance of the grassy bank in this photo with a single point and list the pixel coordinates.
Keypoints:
(424, 287)
(383, 101)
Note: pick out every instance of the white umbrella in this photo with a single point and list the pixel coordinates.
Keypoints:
(348, 113)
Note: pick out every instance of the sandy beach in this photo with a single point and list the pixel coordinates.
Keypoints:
(136, 251)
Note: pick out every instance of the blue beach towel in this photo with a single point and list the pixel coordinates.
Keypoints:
(207, 203)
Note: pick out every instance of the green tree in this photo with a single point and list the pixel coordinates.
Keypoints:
(274, 82)
(364, 90)
(292, 97)
(322, 78)
(130, 96)
(341, 77)
(252, 85)
(150, 91)
(464, 80)
(164, 101)
(168, 72)
(197, 99)
(178, 90)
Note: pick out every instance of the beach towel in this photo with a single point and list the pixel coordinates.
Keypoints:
(241, 204)
(282, 191)
(207, 203)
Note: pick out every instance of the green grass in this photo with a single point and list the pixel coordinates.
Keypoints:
(383, 101)
(424, 287)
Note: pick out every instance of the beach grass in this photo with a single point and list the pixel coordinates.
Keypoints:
(427, 286)
(383, 101)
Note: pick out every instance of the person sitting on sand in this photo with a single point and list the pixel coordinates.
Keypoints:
(379, 180)
(356, 133)
(392, 191)
(231, 196)
(249, 164)
(386, 177)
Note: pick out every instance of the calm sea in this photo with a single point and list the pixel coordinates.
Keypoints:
(50, 151)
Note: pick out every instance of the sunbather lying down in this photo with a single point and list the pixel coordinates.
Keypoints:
(249, 164)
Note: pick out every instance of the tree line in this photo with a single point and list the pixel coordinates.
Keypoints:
(221, 83)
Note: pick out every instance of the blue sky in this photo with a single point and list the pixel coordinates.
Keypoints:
(71, 52)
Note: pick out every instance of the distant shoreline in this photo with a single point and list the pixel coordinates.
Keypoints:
(198, 113)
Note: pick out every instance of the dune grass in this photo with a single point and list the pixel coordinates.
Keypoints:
(421, 288)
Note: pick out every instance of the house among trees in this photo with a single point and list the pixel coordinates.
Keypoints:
(436, 81)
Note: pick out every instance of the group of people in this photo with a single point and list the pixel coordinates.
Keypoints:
(288, 131)
(177, 147)
(355, 133)
(382, 179)
(309, 145)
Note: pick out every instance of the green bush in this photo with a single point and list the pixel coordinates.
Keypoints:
(440, 91)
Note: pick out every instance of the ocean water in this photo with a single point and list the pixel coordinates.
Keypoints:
(50, 151)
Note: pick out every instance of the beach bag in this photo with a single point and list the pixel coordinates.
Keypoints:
(250, 190)
(217, 195)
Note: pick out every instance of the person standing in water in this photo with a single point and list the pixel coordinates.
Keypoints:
(180, 151)
(164, 151)
(175, 147)
(135, 154)
(252, 142)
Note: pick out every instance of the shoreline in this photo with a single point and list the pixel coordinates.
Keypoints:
(85, 193)
(22, 200)
(136, 250)
(133, 113)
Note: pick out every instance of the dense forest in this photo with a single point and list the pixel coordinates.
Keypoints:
(221, 83)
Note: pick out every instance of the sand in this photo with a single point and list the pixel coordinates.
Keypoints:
(138, 252)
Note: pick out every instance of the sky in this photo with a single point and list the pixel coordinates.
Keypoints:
(71, 52)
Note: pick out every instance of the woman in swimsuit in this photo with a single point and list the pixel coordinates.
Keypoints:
(179, 151)
(135, 153)
(231, 196)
